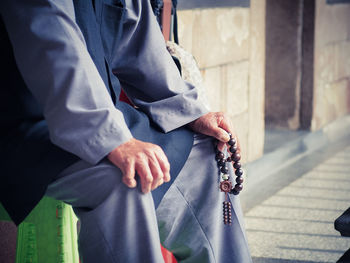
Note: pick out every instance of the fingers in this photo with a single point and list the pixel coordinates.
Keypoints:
(147, 159)
(156, 172)
(129, 175)
(146, 178)
(164, 164)
(217, 125)
(153, 168)
(220, 134)
(227, 126)
(221, 146)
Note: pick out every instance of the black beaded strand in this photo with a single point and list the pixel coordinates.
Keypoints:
(226, 184)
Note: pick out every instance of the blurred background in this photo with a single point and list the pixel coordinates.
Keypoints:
(281, 70)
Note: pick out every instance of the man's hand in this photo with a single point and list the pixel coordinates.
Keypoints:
(147, 159)
(217, 125)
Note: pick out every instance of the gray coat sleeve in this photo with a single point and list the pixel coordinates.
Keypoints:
(53, 59)
(148, 74)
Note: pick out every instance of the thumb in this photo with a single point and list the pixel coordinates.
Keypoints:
(221, 134)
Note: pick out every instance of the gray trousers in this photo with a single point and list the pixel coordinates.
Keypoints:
(119, 224)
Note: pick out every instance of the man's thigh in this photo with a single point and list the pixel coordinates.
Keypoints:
(190, 215)
(114, 218)
(85, 185)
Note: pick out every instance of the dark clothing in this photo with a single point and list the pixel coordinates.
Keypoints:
(29, 160)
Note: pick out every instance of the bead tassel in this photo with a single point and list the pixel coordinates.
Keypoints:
(226, 184)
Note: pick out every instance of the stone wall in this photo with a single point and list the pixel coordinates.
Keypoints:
(284, 25)
(229, 46)
(332, 63)
(290, 27)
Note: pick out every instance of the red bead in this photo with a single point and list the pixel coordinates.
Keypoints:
(237, 165)
(224, 169)
(236, 157)
(221, 162)
(239, 180)
(219, 156)
(234, 192)
(232, 141)
(238, 187)
(239, 172)
(233, 149)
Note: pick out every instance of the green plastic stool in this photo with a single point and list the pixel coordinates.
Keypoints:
(48, 234)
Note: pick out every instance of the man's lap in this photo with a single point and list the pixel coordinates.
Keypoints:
(92, 182)
(189, 215)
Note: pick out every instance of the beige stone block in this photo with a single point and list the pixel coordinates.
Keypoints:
(332, 62)
(220, 36)
(343, 60)
(326, 66)
(256, 96)
(331, 92)
(185, 28)
(332, 23)
(336, 96)
(212, 83)
(332, 100)
(237, 88)
(320, 106)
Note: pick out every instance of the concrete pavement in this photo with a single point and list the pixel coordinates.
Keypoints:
(290, 211)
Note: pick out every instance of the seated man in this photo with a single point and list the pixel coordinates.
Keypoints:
(135, 176)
